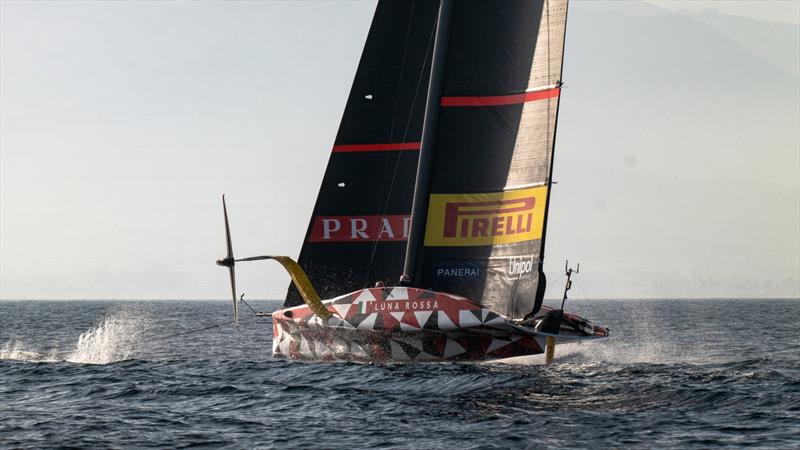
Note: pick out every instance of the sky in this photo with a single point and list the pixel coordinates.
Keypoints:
(122, 123)
(787, 11)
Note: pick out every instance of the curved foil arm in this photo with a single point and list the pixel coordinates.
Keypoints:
(301, 281)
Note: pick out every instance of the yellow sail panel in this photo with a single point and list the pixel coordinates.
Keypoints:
(463, 220)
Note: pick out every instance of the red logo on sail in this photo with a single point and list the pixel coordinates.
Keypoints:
(360, 228)
(494, 218)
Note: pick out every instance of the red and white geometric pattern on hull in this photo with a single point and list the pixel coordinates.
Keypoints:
(400, 324)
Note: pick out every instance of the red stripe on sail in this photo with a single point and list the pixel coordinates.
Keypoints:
(499, 100)
(401, 146)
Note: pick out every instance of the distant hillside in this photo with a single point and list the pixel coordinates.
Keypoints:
(679, 150)
(775, 42)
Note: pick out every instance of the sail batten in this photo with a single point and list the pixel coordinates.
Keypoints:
(386, 147)
(499, 100)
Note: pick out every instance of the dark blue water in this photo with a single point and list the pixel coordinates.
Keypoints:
(674, 374)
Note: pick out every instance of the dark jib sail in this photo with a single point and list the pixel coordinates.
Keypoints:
(359, 227)
(491, 164)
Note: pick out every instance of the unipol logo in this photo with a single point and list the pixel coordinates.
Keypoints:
(360, 228)
(519, 267)
(485, 218)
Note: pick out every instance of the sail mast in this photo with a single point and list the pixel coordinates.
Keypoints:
(419, 208)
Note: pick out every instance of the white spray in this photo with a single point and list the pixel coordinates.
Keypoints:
(117, 338)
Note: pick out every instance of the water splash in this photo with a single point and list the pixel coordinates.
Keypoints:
(645, 351)
(14, 350)
(119, 337)
(635, 347)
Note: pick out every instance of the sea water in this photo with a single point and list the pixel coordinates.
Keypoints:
(673, 374)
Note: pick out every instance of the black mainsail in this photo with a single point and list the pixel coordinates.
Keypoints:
(360, 223)
(476, 233)
(486, 166)
(442, 167)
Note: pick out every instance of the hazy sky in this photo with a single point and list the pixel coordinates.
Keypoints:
(121, 123)
(775, 10)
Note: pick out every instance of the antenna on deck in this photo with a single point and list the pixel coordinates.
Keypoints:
(229, 262)
(552, 323)
(568, 271)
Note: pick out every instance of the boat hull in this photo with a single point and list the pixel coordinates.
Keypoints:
(407, 324)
